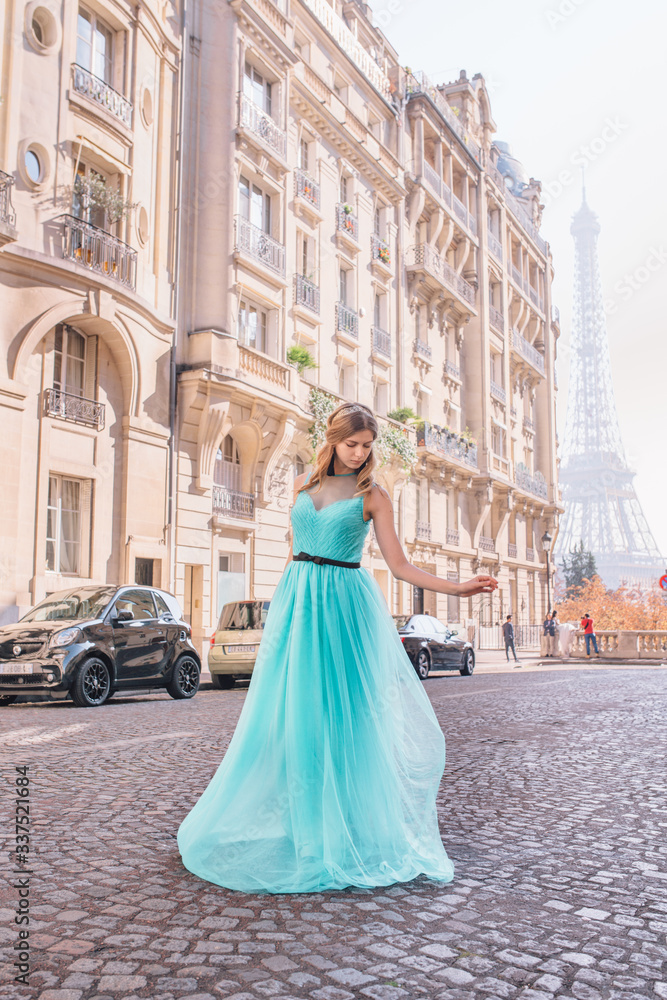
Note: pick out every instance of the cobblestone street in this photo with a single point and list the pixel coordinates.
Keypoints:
(552, 808)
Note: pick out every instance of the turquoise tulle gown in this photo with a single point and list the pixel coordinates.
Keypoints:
(331, 776)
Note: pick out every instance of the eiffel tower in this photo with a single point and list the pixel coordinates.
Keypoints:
(601, 507)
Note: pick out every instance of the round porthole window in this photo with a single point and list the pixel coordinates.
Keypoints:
(33, 167)
(147, 107)
(42, 28)
(143, 231)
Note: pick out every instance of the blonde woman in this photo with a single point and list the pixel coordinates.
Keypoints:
(331, 776)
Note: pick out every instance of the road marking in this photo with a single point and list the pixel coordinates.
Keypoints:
(55, 734)
(470, 694)
(129, 741)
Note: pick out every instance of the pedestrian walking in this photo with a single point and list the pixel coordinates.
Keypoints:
(508, 636)
(552, 638)
(331, 775)
(589, 634)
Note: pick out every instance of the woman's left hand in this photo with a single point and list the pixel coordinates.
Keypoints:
(478, 585)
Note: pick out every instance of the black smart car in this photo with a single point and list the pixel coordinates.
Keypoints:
(93, 641)
(431, 645)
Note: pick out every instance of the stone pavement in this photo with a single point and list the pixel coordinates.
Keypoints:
(552, 807)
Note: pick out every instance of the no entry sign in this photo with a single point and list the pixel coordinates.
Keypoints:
(663, 582)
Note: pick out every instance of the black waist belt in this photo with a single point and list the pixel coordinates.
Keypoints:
(321, 559)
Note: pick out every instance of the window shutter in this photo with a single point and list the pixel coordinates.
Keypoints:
(86, 525)
(90, 385)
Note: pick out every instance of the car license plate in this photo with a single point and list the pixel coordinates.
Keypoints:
(17, 668)
(240, 649)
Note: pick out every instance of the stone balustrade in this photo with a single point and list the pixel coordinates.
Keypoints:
(623, 644)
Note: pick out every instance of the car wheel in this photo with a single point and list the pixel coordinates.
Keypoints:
(92, 684)
(468, 663)
(184, 681)
(423, 664)
(7, 699)
(223, 682)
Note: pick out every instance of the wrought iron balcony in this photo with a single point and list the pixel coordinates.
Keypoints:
(256, 243)
(99, 251)
(78, 409)
(453, 536)
(347, 222)
(381, 341)
(7, 213)
(424, 530)
(380, 251)
(447, 443)
(487, 544)
(495, 246)
(232, 503)
(498, 392)
(347, 320)
(260, 123)
(527, 351)
(452, 370)
(86, 83)
(306, 293)
(421, 348)
(531, 482)
(306, 188)
(496, 319)
(423, 256)
(512, 550)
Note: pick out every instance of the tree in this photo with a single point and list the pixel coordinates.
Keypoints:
(579, 567)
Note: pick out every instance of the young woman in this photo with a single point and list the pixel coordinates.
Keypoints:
(331, 776)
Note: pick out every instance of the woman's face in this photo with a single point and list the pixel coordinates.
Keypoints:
(353, 451)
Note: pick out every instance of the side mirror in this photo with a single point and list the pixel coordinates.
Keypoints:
(454, 631)
(123, 616)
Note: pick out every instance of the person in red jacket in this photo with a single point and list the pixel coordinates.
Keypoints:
(587, 626)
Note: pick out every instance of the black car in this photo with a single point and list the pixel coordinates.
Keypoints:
(93, 641)
(431, 645)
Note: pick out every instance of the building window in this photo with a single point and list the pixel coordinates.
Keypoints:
(378, 228)
(257, 89)
(143, 572)
(69, 362)
(251, 327)
(254, 205)
(303, 155)
(227, 469)
(94, 45)
(345, 286)
(85, 204)
(306, 255)
(344, 189)
(498, 440)
(67, 507)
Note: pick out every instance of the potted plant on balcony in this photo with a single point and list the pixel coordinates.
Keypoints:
(403, 414)
(93, 192)
(300, 358)
(466, 439)
(384, 255)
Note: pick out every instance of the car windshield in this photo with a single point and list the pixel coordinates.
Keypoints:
(401, 621)
(243, 615)
(81, 604)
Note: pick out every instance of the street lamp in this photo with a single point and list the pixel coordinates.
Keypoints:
(546, 545)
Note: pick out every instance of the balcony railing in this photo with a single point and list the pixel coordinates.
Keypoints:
(487, 544)
(347, 222)
(446, 443)
(531, 482)
(232, 503)
(498, 392)
(78, 409)
(432, 178)
(306, 293)
(496, 318)
(528, 425)
(512, 550)
(460, 210)
(424, 530)
(259, 366)
(7, 213)
(527, 351)
(555, 315)
(380, 250)
(97, 90)
(98, 250)
(256, 243)
(453, 536)
(307, 188)
(418, 83)
(350, 44)
(452, 370)
(260, 123)
(495, 246)
(530, 554)
(521, 213)
(347, 320)
(381, 341)
(517, 277)
(422, 255)
(422, 349)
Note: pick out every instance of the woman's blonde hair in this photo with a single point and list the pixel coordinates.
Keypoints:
(346, 419)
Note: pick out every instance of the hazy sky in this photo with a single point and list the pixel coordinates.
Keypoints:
(574, 80)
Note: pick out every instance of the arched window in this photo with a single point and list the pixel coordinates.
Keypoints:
(227, 471)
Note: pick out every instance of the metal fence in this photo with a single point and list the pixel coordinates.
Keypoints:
(491, 636)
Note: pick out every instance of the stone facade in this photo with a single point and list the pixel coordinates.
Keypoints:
(328, 200)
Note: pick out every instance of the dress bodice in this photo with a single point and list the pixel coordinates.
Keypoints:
(336, 530)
